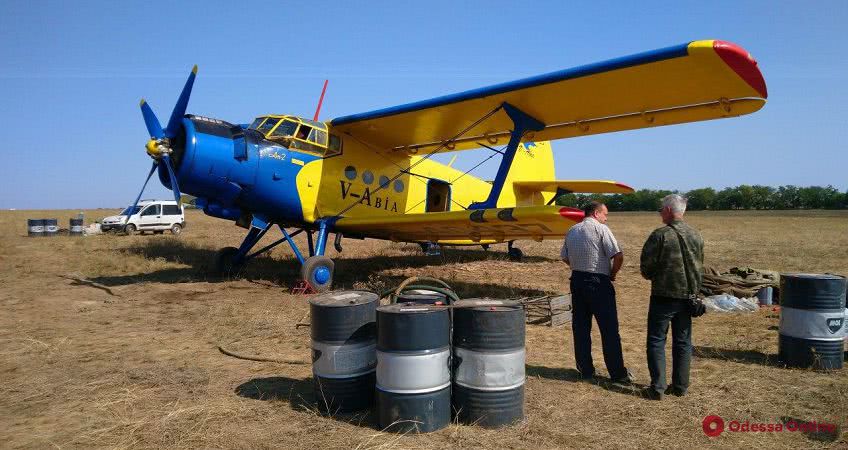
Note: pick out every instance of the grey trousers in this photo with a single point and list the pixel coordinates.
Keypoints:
(662, 312)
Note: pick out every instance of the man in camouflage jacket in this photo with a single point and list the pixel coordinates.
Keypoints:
(673, 259)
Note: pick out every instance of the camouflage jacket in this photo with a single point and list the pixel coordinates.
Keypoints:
(662, 261)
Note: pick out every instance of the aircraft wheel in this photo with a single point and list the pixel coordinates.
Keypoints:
(224, 264)
(318, 272)
(515, 254)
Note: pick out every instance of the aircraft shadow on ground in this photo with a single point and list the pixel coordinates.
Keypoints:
(740, 356)
(286, 272)
(300, 395)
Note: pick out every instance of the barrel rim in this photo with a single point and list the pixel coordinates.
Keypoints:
(362, 298)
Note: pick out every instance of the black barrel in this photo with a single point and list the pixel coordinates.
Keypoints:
(422, 297)
(51, 227)
(488, 363)
(413, 373)
(344, 349)
(35, 227)
(75, 228)
(812, 320)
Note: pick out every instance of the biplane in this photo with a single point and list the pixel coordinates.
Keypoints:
(371, 175)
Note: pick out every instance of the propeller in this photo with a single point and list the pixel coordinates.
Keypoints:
(159, 145)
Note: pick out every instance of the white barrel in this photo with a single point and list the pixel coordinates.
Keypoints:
(344, 349)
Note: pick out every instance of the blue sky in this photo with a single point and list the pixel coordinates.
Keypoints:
(72, 73)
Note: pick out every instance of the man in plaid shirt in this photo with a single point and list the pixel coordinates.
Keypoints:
(595, 258)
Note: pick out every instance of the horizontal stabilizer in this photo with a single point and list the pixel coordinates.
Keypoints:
(575, 186)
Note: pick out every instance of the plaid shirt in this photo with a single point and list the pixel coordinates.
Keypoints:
(588, 246)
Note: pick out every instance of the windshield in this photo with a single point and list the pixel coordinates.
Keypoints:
(126, 210)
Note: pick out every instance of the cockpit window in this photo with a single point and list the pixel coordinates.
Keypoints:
(285, 129)
(256, 123)
(268, 125)
(319, 137)
(335, 147)
(299, 133)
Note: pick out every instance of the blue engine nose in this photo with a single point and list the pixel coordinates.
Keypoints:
(237, 170)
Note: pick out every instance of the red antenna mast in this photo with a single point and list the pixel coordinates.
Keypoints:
(320, 100)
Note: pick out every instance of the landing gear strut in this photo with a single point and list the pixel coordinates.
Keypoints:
(316, 269)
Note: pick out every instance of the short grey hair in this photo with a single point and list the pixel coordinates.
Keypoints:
(676, 202)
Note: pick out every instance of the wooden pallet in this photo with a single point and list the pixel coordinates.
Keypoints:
(552, 311)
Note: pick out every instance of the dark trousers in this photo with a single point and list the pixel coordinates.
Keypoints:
(661, 312)
(593, 295)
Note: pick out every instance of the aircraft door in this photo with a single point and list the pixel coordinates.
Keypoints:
(438, 196)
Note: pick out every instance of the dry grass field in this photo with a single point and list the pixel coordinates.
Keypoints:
(80, 367)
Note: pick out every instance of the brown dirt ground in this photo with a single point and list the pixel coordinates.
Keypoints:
(83, 368)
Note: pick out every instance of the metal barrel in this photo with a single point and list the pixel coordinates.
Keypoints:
(344, 349)
(489, 356)
(75, 228)
(423, 297)
(35, 227)
(812, 320)
(413, 373)
(51, 227)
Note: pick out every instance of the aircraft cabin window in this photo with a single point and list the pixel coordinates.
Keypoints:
(350, 173)
(268, 125)
(285, 129)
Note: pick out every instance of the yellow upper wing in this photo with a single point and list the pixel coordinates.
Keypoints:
(466, 227)
(700, 80)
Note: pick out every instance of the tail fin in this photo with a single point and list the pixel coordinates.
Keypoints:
(534, 161)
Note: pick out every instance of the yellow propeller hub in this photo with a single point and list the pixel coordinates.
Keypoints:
(153, 148)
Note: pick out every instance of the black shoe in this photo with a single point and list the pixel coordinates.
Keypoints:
(652, 394)
(626, 379)
(675, 391)
(587, 376)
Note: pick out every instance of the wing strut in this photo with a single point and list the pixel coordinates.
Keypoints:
(522, 123)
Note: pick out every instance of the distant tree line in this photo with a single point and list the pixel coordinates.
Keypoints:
(739, 197)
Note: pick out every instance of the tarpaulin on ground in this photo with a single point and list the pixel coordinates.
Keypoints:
(739, 282)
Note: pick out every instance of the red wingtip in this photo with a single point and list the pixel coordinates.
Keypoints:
(572, 214)
(624, 186)
(742, 63)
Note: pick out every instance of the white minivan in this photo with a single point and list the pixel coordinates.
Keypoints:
(149, 215)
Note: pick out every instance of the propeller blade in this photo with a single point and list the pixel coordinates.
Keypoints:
(174, 186)
(153, 126)
(180, 108)
(135, 203)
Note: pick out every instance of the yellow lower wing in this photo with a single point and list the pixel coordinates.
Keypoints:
(467, 227)
(584, 186)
